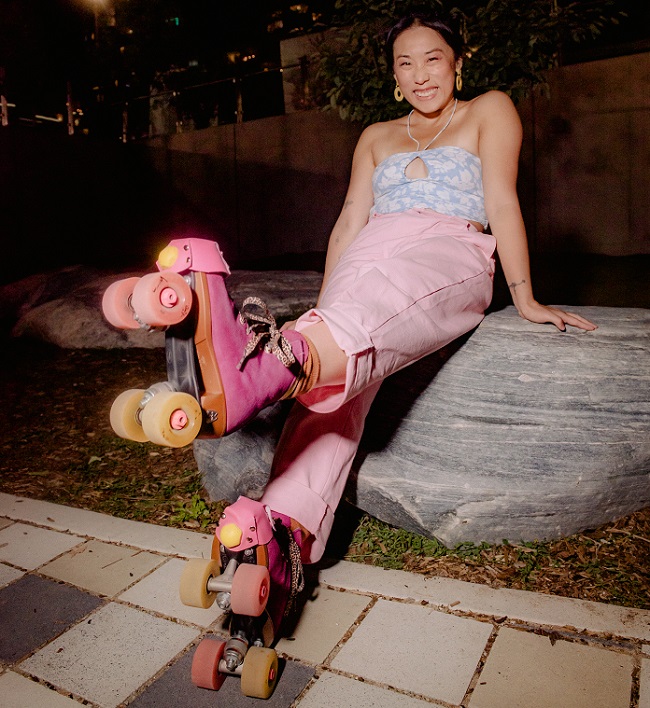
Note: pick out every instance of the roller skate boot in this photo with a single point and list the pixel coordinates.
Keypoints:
(259, 555)
(223, 366)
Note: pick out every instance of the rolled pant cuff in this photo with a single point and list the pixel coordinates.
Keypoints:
(288, 497)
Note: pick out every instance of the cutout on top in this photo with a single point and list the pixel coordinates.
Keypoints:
(416, 169)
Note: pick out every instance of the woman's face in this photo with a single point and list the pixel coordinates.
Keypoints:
(425, 68)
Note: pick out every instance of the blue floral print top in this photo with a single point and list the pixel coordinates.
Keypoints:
(453, 185)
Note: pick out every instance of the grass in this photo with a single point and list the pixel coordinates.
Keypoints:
(57, 445)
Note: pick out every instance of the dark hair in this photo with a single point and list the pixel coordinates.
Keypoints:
(423, 19)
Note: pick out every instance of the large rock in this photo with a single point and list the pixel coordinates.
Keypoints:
(64, 307)
(515, 432)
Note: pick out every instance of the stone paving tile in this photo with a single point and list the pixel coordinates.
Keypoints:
(174, 689)
(324, 620)
(4, 523)
(429, 653)
(514, 604)
(34, 610)
(149, 537)
(102, 567)
(644, 692)
(328, 691)
(16, 691)
(160, 592)
(9, 574)
(525, 670)
(109, 656)
(28, 547)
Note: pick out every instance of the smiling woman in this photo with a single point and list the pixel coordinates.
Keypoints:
(409, 269)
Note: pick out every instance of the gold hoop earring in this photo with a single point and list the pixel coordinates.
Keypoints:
(399, 96)
(459, 82)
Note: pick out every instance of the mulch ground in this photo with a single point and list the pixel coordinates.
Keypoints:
(57, 445)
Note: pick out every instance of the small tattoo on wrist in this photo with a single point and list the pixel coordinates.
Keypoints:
(513, 285)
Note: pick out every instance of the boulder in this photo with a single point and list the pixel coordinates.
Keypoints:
(64, 307)
(514, 432)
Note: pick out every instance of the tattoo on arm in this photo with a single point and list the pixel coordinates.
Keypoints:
(348, 203)
(513, 285)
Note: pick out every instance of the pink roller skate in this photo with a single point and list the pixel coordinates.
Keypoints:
(259, 555)
(223, 367)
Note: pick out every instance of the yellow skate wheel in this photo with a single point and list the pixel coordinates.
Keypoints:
(126, 415)
(172, 419)
(205, 664)
(259, 672)
(194, 582)
(162, 299)
(250, 589)
(116, 304)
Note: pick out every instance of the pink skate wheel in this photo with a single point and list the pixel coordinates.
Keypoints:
(205, 664)
(116, 304)
(162, 299)
(250, 590)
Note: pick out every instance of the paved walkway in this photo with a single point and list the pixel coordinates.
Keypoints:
(89, 613)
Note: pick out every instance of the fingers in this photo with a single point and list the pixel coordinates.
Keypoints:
(559, 318)
(568, 318)
(578, 321)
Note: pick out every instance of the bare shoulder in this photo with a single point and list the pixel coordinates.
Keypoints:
(377, 138)
(493, 103)
(381, 130)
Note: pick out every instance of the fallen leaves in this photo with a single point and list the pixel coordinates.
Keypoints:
(59, 447)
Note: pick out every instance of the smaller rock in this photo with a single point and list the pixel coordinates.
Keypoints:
(64, 308)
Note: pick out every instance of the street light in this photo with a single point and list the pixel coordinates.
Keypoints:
(97, 5)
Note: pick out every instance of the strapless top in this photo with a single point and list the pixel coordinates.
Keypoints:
(453, 185)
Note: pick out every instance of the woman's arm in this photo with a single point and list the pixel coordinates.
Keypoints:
(357, 204)
(500, 135)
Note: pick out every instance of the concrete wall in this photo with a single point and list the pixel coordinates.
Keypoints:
(65, 201)
(268, 187)
(585, 173)
(276, 185)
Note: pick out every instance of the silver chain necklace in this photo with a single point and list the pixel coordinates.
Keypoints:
(436, 136)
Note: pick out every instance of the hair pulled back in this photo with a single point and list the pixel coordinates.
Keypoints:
(423, 19)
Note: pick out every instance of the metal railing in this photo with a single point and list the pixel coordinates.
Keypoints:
(165, 111)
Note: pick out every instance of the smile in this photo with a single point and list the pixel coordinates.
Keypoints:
(426, 93)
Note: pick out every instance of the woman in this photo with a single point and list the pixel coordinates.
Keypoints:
(409, 269)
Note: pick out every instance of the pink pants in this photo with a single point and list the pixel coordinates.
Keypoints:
(408, 285)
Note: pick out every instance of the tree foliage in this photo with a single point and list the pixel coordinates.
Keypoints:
(510, 44)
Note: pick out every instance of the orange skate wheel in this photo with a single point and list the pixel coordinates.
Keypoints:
(250, 590)
(162, 299)
(172, 419)
(259, 672)
(126, 414)
(194, 582)
(116, 304)
(205, 664)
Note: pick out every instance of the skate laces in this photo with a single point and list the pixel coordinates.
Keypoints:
(285, 538)
(261, 324)
(295, 562)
